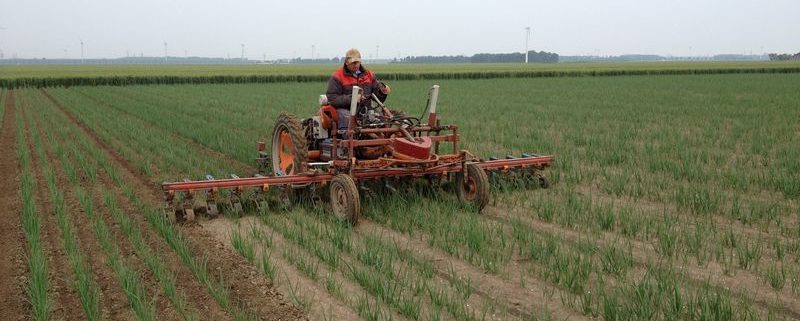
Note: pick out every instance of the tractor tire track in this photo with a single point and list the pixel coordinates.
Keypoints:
(13, 274)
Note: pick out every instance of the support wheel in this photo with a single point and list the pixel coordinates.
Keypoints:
(289, 146)
(474, 188)
(344, 199)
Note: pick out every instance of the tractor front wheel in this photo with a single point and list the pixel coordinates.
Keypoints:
(472, 186)
(344, 198)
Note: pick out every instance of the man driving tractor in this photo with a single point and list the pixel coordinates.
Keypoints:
(352, 73)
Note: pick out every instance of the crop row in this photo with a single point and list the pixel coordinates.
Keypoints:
(38, 284)
(82, 161)
(58, 132)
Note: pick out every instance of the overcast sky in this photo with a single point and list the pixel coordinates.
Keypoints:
(283, 29)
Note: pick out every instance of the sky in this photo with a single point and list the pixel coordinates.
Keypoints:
(389, 29)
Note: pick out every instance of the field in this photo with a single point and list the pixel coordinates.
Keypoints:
(673, 197)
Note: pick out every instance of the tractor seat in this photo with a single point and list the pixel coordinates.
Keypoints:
(327, 115)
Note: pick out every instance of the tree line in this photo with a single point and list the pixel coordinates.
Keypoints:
(515, 57)
(780, 57)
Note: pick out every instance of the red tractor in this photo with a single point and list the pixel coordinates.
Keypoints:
(378, 144)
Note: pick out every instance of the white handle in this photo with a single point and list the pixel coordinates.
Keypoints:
(354, 99)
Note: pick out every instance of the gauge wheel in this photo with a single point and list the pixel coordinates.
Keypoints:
(344, 199)
(472, 186)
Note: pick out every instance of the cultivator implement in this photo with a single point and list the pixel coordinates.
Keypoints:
(378, 145)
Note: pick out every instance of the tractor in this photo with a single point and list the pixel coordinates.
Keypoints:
(379, 144)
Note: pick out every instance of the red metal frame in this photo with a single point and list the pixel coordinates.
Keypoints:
(313, 177)
(367, 169)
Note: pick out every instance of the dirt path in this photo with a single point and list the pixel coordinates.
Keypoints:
(246, 287)
(13, 304)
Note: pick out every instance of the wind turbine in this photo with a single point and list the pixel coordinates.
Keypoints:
(1, 50)
(527, 36)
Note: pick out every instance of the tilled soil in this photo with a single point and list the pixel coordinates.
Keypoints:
(62, 296)
(13, 272)
(246, 286)
(113, 301)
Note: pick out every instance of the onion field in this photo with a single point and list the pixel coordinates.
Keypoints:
(673, 197)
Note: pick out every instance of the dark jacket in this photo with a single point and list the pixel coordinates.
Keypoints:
(340, 86)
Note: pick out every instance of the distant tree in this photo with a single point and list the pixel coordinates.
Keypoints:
(516, 57)
(781, 57)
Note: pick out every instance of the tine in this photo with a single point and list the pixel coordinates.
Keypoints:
(234, 176)
(212, 209)
(188, 211)
(526, 155)
(169, 212)
(493, 158)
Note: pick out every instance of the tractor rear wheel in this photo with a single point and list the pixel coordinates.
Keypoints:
(344, 199)
(473, 188)
(289, 146)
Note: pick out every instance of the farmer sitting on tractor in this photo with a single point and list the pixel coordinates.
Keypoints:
(352, 73)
